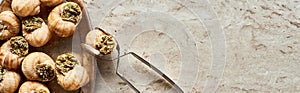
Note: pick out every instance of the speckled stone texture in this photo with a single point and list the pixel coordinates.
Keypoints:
(262, 45)
(261, 40)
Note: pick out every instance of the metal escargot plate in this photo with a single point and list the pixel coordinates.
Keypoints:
(57, 46)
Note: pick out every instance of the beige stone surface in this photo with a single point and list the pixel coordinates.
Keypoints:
(181, 37)
(262, 45)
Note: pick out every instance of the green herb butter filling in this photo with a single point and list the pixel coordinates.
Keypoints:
(40, 91)
(71, 12)
(105, 45)
(66, 62)
(19, 46)
(2, 72)
(45, 72)
(32, 23)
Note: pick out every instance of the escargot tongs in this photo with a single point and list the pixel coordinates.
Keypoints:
(97, 54)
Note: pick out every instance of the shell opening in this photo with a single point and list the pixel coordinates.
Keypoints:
(106, 44)
(32, 23)
(2, 72)
(2, 27)
(71, 12)
(19, 46)
(66, 62)
(40, 91)
(45, 72)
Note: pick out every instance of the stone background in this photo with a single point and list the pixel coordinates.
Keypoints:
(262, 43)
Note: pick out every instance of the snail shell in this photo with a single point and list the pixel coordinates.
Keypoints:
(51, 3)
(33, 87)
(10, 57)
(9, 25)
(73, 79)
(5, 6)
(71, 75)
(10, 82)
(101, 41)
(38, 66)
(64, 18)
(35, 31)
(25, 8)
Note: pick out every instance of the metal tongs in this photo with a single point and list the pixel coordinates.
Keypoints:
(97, 54)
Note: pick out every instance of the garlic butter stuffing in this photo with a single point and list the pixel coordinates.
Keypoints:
(9, 25)
(38, 66)
(33, 87)
(71, 75)
(24, 8)
(105, 45)
(66, 62)
(101, 41)
(19, 46)
(35, 31)
(9, 81)
(13, 52)
(64, 18)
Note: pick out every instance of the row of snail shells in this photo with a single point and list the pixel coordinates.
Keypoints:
(9, 25)
(71, 75)
(33, 87)
(24, 8)
(38, 66)
(9, 80)
(12, 52)
(64, 18)
(101, 41)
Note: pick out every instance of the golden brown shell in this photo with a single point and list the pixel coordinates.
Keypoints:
(74, 79)
(59, 26)
(5, 6)
(9, 60)
(9, 19)
(70, 74)
(10, 82)
(24, 8)
(95, 37)
(38, 37)
(33, 87)
(51, 3)
(31, 62)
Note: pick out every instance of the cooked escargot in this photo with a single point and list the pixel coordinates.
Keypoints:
(33, 87)
(9, 81)
(71, 75)
(51, 3)
(38, 66)
(35, 31)
(13, 52)
(64, 18)
(9, 25)
(101, 41)
(25, 8)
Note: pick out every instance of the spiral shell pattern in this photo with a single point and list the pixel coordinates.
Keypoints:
(10, 82)
(58, 25)
(30, 63)
(74, 79)
(10, 20)
(33, 87)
